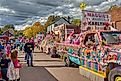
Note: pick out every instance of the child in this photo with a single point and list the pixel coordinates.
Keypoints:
(14, 66)
(4, 66)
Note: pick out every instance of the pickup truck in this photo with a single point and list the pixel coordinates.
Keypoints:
(98, 54)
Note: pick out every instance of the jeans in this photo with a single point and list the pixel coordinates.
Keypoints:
(4, 73)
(29, 58)
(25, 56)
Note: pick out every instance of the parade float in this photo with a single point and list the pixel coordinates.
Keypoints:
(47, 43)
(59, 34)
(40, 37)
(97, 50)
(62, 31)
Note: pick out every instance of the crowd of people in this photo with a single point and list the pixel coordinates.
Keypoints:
(9, 62)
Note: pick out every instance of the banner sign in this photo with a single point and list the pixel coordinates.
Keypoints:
(91, 19)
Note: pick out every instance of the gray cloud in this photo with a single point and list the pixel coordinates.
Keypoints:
(24, 12)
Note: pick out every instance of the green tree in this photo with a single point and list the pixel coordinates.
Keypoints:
(1, 31)
(8, 26)
(76, 22)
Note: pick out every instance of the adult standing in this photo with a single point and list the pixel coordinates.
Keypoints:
(4, 66)
(33, 42)
(28, 48)
(2, 48)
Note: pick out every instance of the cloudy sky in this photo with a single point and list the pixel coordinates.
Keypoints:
(25, 12)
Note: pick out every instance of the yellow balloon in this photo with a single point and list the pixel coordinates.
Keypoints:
(82, 5)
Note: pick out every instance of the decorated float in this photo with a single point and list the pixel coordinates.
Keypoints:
(40, 37)
(99, 53)
(97, 50)
(62, 31)
(47, 43)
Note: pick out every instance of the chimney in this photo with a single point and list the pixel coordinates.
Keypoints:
(69, 18)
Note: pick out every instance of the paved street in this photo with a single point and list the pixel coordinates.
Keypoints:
(48, 69)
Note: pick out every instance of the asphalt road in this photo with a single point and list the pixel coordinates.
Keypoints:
(48, 69)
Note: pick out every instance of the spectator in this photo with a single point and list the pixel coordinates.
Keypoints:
(1, 46)
(28, 48)
(8, 49)
(14, 66)
(4, 66)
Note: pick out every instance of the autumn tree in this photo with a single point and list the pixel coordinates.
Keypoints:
(27, 32)
(38, 27)
(33, 30)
